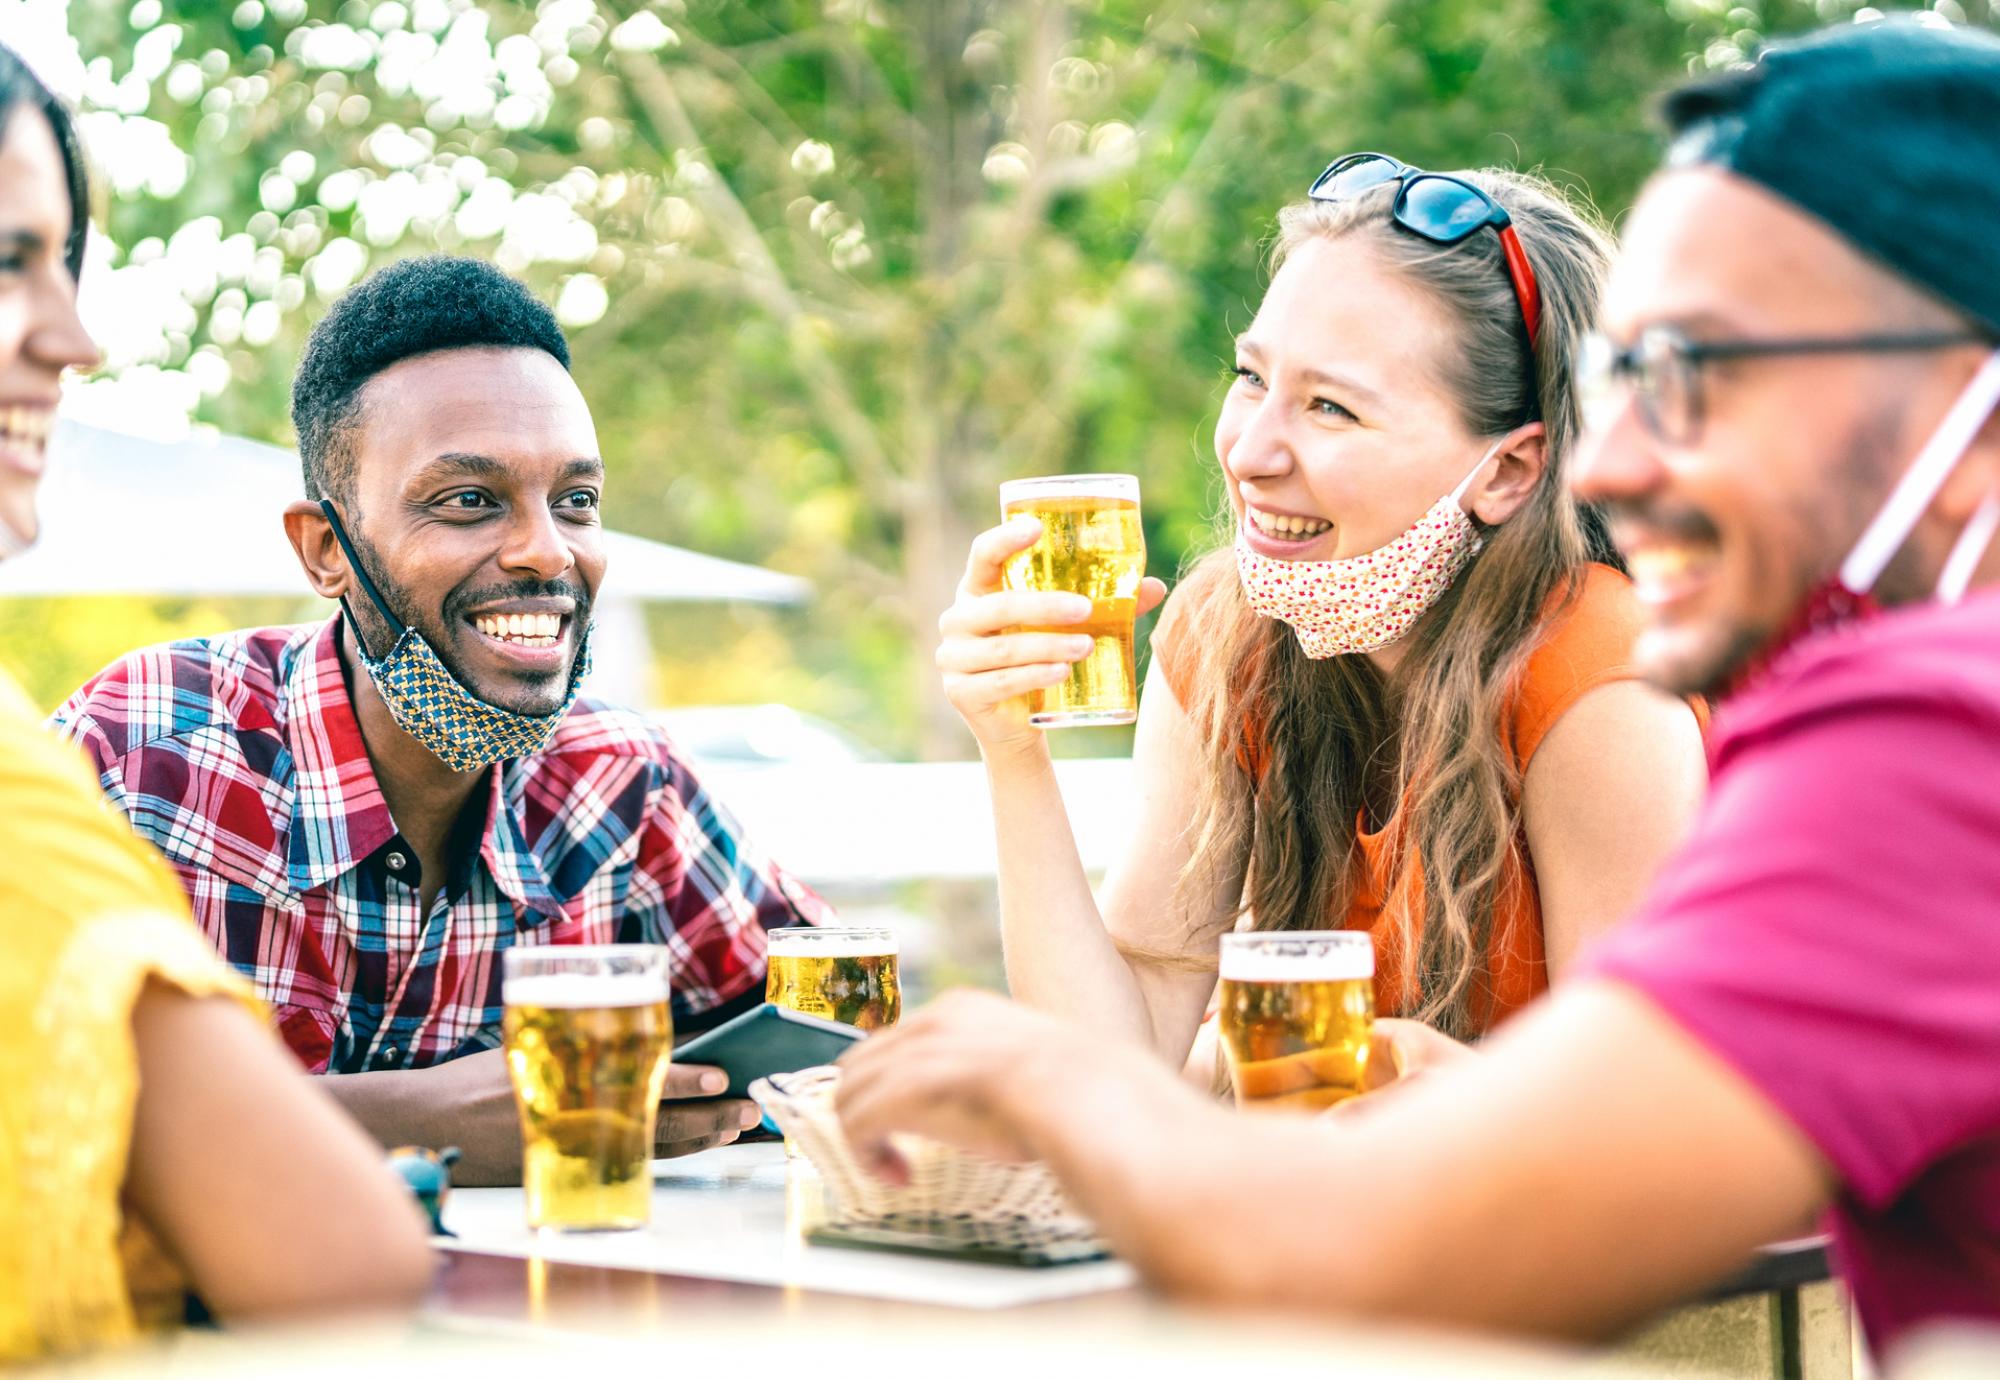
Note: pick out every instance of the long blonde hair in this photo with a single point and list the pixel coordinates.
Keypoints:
(1323, 731)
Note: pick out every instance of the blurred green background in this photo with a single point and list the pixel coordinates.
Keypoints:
(832, 270)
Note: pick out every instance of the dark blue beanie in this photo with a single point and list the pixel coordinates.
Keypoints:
(1889, 132)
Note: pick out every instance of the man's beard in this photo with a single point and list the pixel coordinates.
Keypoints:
(1819, 601)
(379, 639)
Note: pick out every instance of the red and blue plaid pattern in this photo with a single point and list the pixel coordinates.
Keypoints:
(240, 758)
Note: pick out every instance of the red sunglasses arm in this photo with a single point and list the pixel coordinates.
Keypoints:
(1525, 286)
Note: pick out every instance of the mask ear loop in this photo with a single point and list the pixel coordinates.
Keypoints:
(1458, 494)
(360, 574)
(1920, 483)
(1969, 549)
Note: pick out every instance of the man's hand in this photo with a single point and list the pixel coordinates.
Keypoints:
(971, 1069)
(469, 1103)
(466, 1102)
(686, 1129)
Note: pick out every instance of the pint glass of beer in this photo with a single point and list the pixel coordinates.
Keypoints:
(838, 973)
(1091, 544)
(1296, 1012)
(588, 1039)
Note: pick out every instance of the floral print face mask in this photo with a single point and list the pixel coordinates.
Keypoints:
(1364, 603)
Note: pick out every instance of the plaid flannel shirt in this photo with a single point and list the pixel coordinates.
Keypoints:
(240, 758)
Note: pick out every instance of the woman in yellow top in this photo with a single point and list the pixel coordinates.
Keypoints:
(1402, 701)
(153, 1136)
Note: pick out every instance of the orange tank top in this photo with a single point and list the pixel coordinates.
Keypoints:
(1588, 644)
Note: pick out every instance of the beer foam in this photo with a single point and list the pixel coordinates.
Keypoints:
(1337, 965)
(1113, 486)
(581, 991)
(832, 942)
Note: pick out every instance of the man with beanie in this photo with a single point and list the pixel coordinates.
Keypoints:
(1797, 441)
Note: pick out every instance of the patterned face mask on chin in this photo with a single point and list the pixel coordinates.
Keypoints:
(1364, 603)
(431, 705)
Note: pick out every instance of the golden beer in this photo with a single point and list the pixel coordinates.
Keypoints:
(1091, 544)
(1296, 1012)
(846, 975)
(588, 1036)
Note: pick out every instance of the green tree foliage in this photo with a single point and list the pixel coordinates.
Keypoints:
(833, 269)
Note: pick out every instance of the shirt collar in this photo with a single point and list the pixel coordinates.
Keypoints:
(339, 815)
(516, 866)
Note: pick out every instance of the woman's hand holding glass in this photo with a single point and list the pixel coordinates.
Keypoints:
(990, 664)
(1402, 1054)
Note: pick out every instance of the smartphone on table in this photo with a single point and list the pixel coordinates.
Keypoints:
(767, 1040)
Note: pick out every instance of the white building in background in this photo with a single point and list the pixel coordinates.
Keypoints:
(856, 828)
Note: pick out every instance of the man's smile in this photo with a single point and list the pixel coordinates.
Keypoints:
(1668, 570)
(526, 634)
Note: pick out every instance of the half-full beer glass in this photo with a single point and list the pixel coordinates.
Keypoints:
(1091, 544)
(1296, 1013)
(841, 974)
(588, 1037)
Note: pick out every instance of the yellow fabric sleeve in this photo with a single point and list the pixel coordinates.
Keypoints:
(88, 914)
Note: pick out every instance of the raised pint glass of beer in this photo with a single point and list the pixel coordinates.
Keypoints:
(841, 974)
(1296, 1012)
(1091, 544)
(588, 1037)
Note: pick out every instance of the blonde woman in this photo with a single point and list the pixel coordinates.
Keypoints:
(1402, 700)
(154, 1137)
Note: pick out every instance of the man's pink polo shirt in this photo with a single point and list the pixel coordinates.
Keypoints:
(1832, 931)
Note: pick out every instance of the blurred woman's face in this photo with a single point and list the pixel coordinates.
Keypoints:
(1337, 434)
(40, 335)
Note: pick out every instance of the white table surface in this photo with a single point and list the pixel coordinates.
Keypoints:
(733, 1213)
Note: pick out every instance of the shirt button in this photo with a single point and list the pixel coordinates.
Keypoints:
(391, 1055)
(397, 861)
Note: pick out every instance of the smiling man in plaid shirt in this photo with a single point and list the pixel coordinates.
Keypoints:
(364, 827)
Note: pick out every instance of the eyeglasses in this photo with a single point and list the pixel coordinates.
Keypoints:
(1440, 208)
(1662, 369)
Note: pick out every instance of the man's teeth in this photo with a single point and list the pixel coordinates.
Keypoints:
(528, 629)
(1277, 525)
(29, 425)
(1664, 566)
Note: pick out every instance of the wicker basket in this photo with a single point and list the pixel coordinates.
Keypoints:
(980, 1200)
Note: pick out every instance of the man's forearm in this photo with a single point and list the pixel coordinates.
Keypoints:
(1144, 1156)
(467, 1103)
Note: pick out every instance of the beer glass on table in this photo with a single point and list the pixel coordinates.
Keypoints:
(840, 973)
(588, 1035)
(845, 974)
(1091, 544)
(1296, 1012)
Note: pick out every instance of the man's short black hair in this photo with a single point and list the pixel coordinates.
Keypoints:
(410, 308)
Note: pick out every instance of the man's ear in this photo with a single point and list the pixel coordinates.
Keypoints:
(1516, 468)
(1976, 475)
(320, 556)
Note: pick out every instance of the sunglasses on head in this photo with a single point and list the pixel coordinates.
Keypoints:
(1440, 208)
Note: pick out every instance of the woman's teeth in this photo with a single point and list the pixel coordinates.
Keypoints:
(26, 425)
(1293, 528)
(526, 629)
